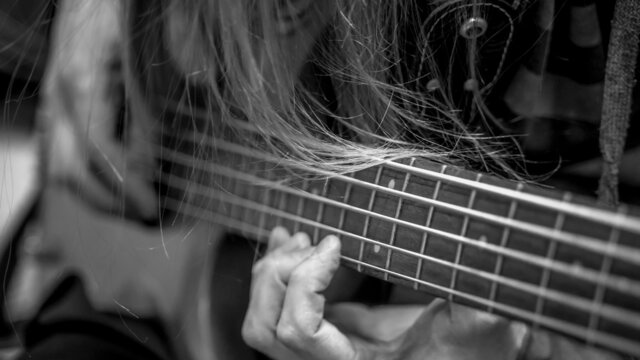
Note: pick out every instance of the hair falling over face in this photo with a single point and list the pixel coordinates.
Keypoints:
(338, 85)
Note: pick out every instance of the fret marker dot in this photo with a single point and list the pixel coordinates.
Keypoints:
(392, 184)
(483, 239)
(376, 248)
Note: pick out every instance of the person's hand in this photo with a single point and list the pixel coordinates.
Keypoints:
(287, 318)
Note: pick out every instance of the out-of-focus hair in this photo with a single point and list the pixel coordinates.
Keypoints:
(244, 57)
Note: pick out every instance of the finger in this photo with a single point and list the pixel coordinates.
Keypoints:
(301, 326)
(300, 240)
(277, 238)
(543, 345)
(270, 276)
(373, 323)
(280, 240)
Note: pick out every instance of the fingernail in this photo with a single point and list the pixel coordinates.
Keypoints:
(328, 244)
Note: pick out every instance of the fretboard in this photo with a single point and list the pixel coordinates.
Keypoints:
(544, 257)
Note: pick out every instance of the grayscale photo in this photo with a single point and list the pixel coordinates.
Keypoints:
(320, 179)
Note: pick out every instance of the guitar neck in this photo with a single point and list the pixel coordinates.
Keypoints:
(532, 254)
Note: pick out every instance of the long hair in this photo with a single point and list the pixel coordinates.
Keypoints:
(330, 84)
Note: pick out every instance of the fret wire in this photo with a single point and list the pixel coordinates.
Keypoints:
(554, 324)
(585, 242)
(316, 230)
(601, 338)
(551, 254)
(425, 235)
(235, 187)
(367, 218)
(257, 251)
(281, 205)
(622, 284)
(595, 215)
(506, 233)
(266, 197)
(622, 316)
(300, 207)
(343, 211)
(463, 232)
(583, 211)
(394, 227)
(594, 318)
(245, 213)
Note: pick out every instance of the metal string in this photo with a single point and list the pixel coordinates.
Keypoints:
(606, 217)
(618, 252)
(596, 336)
(623, 317)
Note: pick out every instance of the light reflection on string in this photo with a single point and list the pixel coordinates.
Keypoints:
(617, 252)
(594, 336)
(620, 315)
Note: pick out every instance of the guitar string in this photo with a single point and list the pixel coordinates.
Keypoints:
(606, 217)
(601, 338)
(613, 281)
(621, 315)
(619, 252)
(618, 219)
(597, 218)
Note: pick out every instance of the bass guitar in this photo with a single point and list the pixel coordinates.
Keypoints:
(548, 258)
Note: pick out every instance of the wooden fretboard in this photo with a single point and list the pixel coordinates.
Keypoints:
(537, 255)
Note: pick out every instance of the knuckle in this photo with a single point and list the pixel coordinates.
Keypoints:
(266, 265)
(254, 335)
(289, 335)
(301, 239)
(258, 267)
(299, 275)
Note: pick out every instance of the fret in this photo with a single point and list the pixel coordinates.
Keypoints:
(603, 310)
(300, 207)
(266, 198)
(394, 228)
(343, 211)
(244, 214)
(282, 203)
(425, 235)
(239, 210)
(262, 234)
(316, 230)
(551, 253)
(227, 187)
(504, 240)
(219, 205)
(501, 189)
(594, 318)
(368, 218)
(189, 194)
(463, 232)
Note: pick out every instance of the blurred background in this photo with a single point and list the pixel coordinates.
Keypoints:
(24, 28)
